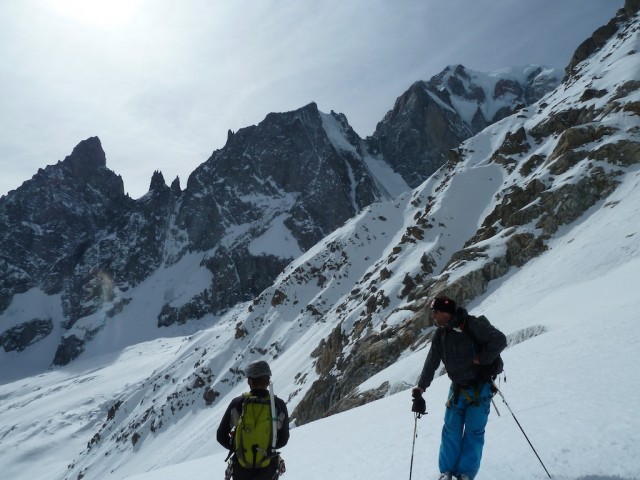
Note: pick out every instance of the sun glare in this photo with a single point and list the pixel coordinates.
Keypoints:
(104, 13)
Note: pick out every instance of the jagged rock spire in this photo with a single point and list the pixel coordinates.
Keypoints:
(175, 186)
(86, 158)
(157, 181)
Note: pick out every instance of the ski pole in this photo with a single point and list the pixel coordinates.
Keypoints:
(521, 429)
(419, 408)
(415, 434)
(495, 407)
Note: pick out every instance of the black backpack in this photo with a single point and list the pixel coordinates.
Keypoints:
(487, 372)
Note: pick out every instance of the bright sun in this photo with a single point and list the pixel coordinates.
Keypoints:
(104, 13)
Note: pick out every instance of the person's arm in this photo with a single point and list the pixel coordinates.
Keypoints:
(224, 429)
(431, 364)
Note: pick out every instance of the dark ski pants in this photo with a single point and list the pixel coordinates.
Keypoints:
(267, 473)
(463, 432)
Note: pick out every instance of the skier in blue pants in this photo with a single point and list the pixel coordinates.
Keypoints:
(468, 347)
(463, 431)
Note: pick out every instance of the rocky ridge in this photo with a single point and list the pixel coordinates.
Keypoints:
(435, 116)
(72, 232)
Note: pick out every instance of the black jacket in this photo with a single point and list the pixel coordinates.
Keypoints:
(232, 415)
(456, 348)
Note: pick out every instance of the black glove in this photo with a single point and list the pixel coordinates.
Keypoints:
(419, 405)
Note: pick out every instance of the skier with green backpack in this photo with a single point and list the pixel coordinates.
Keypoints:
(253, 427)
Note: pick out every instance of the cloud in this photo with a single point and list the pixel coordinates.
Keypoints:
(162, 87)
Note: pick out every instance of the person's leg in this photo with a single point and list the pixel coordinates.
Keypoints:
(451, 440)
(475, 422)
(267, 473)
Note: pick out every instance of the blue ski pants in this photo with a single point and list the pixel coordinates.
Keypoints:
(463, 431)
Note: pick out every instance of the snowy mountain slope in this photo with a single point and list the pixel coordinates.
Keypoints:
(564, 385)
(271, 193)
(503, 195)
(567, 400)
(549, 200)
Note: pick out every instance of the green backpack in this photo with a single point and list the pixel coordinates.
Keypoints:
(254, 432)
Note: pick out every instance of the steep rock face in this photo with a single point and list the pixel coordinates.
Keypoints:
(418, 127)
(271, 193)
(47, 224)
(21, 336)
(291, 159)
(435, 116)
(284, 174)
(120, 257)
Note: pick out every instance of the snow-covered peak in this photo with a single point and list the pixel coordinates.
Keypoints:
(493, 93)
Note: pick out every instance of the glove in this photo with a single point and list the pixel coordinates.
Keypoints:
(419, 404)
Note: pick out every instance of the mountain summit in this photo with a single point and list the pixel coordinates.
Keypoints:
(435, 116)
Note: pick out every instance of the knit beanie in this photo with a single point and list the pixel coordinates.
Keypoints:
(443, 304)
(258, 369)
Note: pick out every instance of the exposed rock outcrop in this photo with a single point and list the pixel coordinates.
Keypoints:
(431, 118)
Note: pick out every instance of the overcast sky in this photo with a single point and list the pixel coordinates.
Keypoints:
(161, 81)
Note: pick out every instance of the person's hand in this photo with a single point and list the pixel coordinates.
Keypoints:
(417, 392)
(419, 405)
